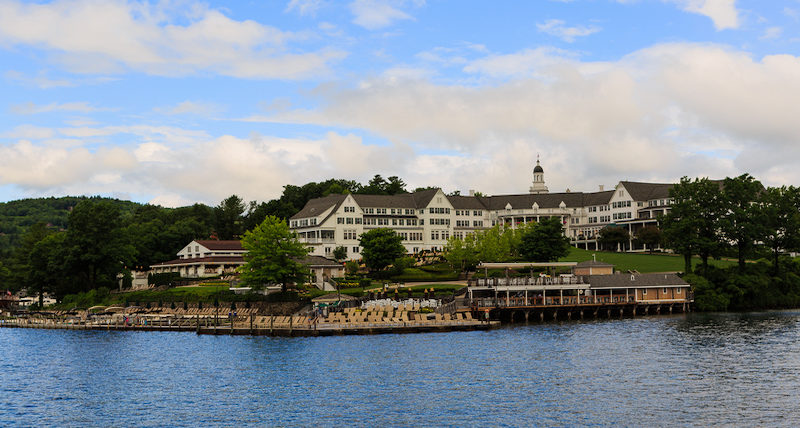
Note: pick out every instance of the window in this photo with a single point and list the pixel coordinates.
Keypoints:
(678, 291)
(355, 249)
(477, 223)
(339, 220)
(359, 220)
(327, 250)
(349, 220)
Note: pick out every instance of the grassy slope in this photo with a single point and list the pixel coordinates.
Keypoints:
(642, 262)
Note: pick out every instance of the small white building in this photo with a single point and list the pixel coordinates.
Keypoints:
(204, 258)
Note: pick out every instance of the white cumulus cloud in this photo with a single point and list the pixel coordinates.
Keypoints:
(115, 36)
(723, 13)
(558, 28)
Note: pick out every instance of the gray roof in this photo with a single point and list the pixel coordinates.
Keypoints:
(317, 206)
(466, 202)
(647, 191)
(526, 201)
(415, 200)
(598, 198)
(405, 200)
(636, 280)
(319, 261)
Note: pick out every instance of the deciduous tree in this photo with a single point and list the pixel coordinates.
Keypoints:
(97, 245)
(544, 241)
(742, 222)
(274, 255)
(649, 236)
(613, 236)
(380, 247)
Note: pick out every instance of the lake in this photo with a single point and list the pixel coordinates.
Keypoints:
(693, 369)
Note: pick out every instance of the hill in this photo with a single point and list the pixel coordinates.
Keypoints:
(17, 216)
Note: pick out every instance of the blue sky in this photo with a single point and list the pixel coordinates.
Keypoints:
(178, 102)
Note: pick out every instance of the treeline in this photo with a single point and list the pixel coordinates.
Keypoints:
(738, 218)
(75, 244)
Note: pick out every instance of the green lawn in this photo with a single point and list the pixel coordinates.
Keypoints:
(203, 293)
(644, 263)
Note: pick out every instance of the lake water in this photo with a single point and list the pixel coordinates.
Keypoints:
(696, 369)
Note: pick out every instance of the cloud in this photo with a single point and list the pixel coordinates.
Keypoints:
(190, 107)
(526, 63)
(162, 39)
(722, 12)
(40, 81)
(29, 132)
(557, 27)
(377, 14)
(657, 114)
(31, 108)
(304, 7)
(771, 33)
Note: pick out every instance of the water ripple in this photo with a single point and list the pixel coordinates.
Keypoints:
(697, 369)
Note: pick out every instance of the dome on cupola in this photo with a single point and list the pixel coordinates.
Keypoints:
(538, 168)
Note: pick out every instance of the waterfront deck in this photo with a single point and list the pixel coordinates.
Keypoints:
(564, 297)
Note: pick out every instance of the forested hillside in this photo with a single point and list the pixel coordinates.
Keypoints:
(17, 216)
(72, 244)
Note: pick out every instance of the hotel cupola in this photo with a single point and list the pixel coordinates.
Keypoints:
(538, 179)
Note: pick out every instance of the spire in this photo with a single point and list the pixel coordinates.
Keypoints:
(538, 178)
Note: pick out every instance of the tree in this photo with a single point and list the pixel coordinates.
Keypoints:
(228, 218)
(395, 185)
(742, 221)
(544, 241)
(351, 267)
(20, 267)
(613, 236)
(381, 186)
(48, 261)
(98, 248)
(274, 255)
(462, 254)
(340, 253)
(649, 236)
(781, 213)
(693, 223)
(495, 244)
(380, 247)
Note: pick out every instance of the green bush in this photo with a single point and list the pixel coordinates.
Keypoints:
(283, 296)
(165, 278)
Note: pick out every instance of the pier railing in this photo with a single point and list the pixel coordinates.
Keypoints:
(501, 301)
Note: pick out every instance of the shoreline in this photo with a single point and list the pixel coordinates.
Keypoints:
(300, 330)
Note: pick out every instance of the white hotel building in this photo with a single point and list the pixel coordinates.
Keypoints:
(426, 219)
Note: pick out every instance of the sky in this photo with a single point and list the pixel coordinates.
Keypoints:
(177, 102)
